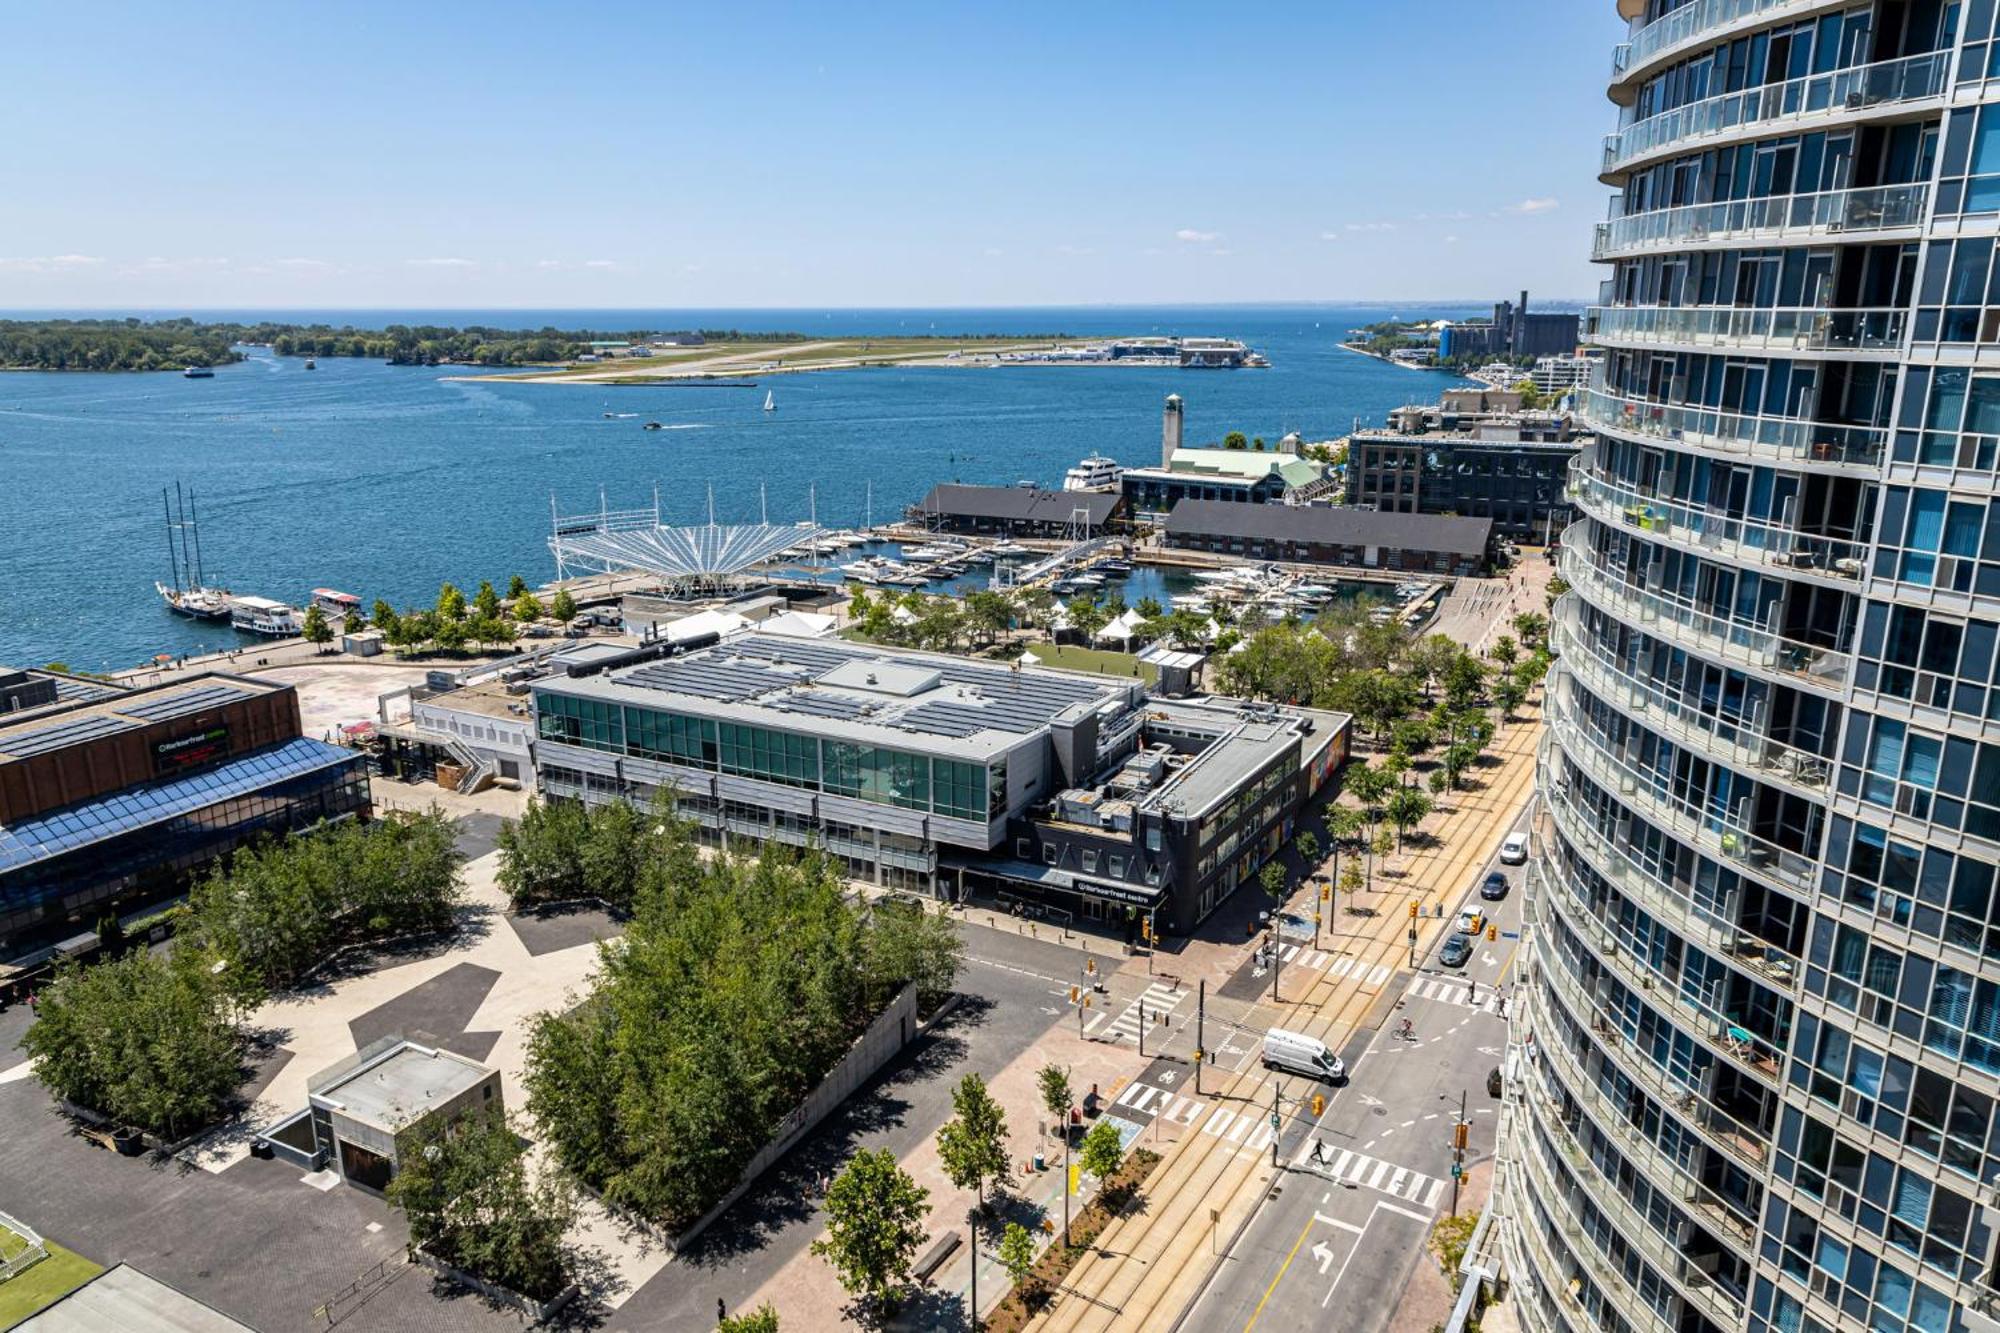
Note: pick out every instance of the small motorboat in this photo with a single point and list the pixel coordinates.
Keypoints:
(654, 425)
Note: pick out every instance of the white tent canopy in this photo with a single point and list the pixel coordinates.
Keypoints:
(1122, 629)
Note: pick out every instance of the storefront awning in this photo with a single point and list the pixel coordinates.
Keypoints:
(1048, 877)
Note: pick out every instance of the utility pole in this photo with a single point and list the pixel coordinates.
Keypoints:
(1274, 1124)
(1200, 1046)
(1142, 1027)
(1275, 937)
(1459, 1134)
(973, 1218)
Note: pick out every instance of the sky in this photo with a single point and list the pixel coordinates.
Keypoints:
(503, 155)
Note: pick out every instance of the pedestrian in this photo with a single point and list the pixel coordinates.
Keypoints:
(1471, 992)
(721, 1312)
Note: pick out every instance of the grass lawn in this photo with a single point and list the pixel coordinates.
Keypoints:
(54, 1277)
(1074, 657)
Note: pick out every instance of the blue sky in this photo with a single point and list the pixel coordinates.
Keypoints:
(458, 155)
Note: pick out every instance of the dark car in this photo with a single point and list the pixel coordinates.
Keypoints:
(1494, 888)
(1456, 951)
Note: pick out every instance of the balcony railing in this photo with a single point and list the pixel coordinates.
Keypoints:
(1775, 330)
(1562, 1273)
(1785, 439)
(1654, 795)
(1744, 1142)
(1693, 1285)
(1887, 82)
(1744, 540)
(1739, 745)
(1709, 634)
(1724, 1034)
(1645, 1155)
(1686, 23)
(1774, 217)
(1719, 935)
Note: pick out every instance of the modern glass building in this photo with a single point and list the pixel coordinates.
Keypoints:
(1756, 1060)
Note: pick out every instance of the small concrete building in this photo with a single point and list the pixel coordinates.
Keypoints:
(366, 1108)
(123, 1298)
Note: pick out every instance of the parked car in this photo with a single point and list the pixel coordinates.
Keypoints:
(1514, 851)
(1494, 888)
(1456, 952)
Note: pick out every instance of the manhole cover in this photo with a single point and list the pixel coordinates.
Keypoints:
(1378, 1110)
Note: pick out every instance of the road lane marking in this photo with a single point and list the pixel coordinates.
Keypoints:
(1279, 1276)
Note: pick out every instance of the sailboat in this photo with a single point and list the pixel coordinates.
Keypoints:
(195, 600)
(770, 401)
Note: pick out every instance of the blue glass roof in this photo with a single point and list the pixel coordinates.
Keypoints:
(93, 821)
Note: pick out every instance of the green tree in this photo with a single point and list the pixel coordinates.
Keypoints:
(990, 614)
(317, 632)
(450, 602)
(1439, 782)
(451, 635)
(1272, 880)
(1505, 651)
(910, 944)
(1344, 823)
(486, 602)
(148, 1040)
(1351, 880)
(1308, 844)
(1149, 608)
(354, 623)
(1430, 658)
(1103, 1150)
(1236, 439)
(541, 853)
(972, 1145)
(466, 1191)
(1017, 1252)
(1464, 679)
(527, 608)
(516, 585)
(1371, 787)
(1057, 1095)
(1379, 698)
(384, 616)
(874, 1224)
(562, 606)
(1407, 807)
(763, 1319)
(1509, 695)
(1532, 627)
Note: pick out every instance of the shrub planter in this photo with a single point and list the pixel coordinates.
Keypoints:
(1044, 1280)
(539, 1311)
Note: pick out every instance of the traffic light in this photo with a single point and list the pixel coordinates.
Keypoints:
(1413, 909)
(1319, 1104)
(1492, 933)
(1146, 928)
(1461, 1134)
(1325, 892)
(1074, 993)
(1090, 966)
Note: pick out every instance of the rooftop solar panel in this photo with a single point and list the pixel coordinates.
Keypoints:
(41, 740)
(819, 705)
(73, 691)
(158, 709)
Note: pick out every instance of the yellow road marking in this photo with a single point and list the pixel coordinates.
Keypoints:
(1256, 1313)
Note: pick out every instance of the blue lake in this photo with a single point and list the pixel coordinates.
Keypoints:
(384, 480)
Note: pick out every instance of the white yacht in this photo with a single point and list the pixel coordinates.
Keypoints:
(1095, 473)
(262, 615)
(1009, 550)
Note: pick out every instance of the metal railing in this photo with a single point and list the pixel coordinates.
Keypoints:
(1772, 217)
(1723, 1034)
(1786, 439)
(1885, 83)
(1656, 1164)
(1774, 329)
(1722, 938)
(1737, 744)
(1691, 1104)
(1654, 795)
(1744, 540)
(1709, 634)
(1687, 23)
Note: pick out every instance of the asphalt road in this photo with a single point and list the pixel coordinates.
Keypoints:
(1336, 1242)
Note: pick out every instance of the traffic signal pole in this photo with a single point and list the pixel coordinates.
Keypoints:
(1200, 1046)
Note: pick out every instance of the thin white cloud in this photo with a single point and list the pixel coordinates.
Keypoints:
(993, 252)
(1530, 206)
(1371, 226)
(1220, 251)
(1193, 237)
(303, 263)
(1451, 240)
(600, 263)
(48, 263)
(441, 263)
(548, 263)
(1329, 236)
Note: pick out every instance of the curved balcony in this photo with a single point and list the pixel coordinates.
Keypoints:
(1739, 745)
(1714, 932)
(1787, 440)
(1744, 541)
(1842, 93)
(1645, 1155)
(1779, 331)
(1651, 794)
(1870, 210)
(1531, 1260)
(1722, 1034)
(1700, 21)
(1666, 1257)
(1690, 1103)
(1713, 636)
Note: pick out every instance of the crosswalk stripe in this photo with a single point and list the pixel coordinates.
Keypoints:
(1431, 1195)
(1341, 968)
(1125, 1098)
(1099, 1018)
(1218, 1122)
(1291, 951)
(1316, 960)
(1375, 1180)
(1379, 975)
(1236, 1132)
(1340, 1164)
(1395, 1185)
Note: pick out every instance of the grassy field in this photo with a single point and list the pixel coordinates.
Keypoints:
(1073, 657)
(48, 1281)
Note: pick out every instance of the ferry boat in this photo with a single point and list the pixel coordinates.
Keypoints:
(1095, 473)
(197, 373)
(336, 606)
(264, 616)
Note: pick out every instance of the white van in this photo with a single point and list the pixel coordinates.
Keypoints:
(1514, 851)
(1302, 1055)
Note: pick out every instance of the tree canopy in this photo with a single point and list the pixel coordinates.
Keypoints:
(466, 1191)
(874, 1224)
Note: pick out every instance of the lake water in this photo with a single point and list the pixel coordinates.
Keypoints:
(384, 480)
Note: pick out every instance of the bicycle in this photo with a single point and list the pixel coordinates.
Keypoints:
(1409, 1031)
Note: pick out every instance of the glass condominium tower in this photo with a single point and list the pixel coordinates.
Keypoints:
(1755, 1051)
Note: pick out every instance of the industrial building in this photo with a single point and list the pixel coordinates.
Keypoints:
(946, 776)
(1017, 511)
(1755, 1050)
(1332, 535)
(1512, 334)
(110, 797)
(1467, 459)
(1245, 476)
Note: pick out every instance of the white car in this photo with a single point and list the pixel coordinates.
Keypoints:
(1514, 851)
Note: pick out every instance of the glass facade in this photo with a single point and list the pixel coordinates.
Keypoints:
(1757, 1042)
(885, 776)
